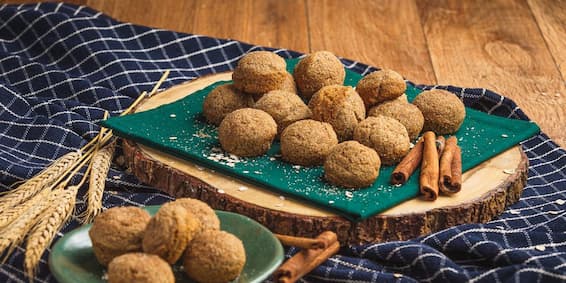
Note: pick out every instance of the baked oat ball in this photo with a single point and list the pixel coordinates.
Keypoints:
(307, 142)
(117, 231)
(139, 268)
(341, 107)
(317, 70)
(443, 112)
(288, 85)
(352, 165)
(380, 86)
(285, 108)
(169, 231)
(408, 114)
(214, 257)
(222, 100)
(247, 132)
(203, 212)
(259, 72)
(385, 135)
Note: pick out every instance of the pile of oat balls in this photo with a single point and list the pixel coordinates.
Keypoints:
(136, 247)
(319, 121)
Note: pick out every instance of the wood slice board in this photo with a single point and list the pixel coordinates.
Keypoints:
(487, 189)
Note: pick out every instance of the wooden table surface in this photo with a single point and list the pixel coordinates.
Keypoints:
(514, 47)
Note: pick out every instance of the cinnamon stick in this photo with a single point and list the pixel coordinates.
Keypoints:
(429, 168)
(440, 143)
(306, 260)
(321, 242)
(408, 165)
(450, 181)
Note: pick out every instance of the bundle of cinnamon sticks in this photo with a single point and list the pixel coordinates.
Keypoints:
(313, 253)
(441, 166)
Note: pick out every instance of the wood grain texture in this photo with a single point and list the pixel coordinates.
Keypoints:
(270, 23)
(386, 34)
(497, 45)
(551, 18)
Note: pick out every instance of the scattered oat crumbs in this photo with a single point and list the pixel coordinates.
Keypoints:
(349, 194)
(200, 168)
(173, 138)
(540, 248)
(220, 191)
(245, 171)
(281, 197)
(504, 135)
(330, 202)
(560, 201)
(397, 275)
(297, 167)
(509, 171)
(272, 158)
(257, 172)
(172, 115)
(116, 177)
(398, 185)
(242, 188)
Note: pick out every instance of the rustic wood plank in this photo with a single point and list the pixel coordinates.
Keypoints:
(271, 23)
(167, 14)
(382, 33)
(551, 18)
(496, 45)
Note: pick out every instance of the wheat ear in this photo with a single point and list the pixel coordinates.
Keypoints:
(100, 165)
(44, 179)
(62, 204)
(12, 213)
(13, 234)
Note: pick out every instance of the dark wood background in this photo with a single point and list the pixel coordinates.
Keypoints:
(514, 47)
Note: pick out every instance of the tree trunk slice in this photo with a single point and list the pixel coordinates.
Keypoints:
(486, 190)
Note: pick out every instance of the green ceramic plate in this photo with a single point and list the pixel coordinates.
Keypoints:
(72, 260)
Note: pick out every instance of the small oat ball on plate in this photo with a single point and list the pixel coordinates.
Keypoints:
(285, 108)
(222, 100)
(259, 72)
(247, 132)
(117, 231)
(139, 268)
(204, 213)
(288, 85)
(214, 257)
(387, 136)
(340, 106)
(443, 112)
(317, 70)
(169, 231)
(352, 165)
(307, 142)
(408, 114)
(380, 86)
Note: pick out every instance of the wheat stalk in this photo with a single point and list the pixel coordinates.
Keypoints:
(62, 204)
(44, 179)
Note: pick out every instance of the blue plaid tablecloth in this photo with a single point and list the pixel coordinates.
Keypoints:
(62, 66)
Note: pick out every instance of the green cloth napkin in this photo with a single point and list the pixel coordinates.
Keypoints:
(186, 134)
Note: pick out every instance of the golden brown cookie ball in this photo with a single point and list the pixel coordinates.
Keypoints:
(247, 132)
(385, 135)
(288, 85)
(117, 231)
(408, 114)
(169, 231)
(443, 112)
(214, 257)
(139, 268)
(307, 142)
(317, 70)
(340, 106)
(352, 165)
(285, 108)
(380, 86)
(259, 72)
(204, 213)
(222, 100)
